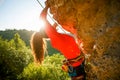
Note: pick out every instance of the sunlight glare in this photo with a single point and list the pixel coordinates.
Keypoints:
(42, 23)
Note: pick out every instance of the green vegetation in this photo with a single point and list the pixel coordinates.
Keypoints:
(49, 70)
(9, 34)
(25, 36)
(14, 56)
(16, 62)
(50, 50)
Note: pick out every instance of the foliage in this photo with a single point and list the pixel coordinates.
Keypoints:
(13, 59)
(50, 49)
(16, 57)
(9, 34)
(49, 70)
(25, 36)
(17, 42)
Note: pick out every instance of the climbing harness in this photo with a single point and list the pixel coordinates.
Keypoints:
(76, 59)
(77, 72)
(67, 67)
(51, 17)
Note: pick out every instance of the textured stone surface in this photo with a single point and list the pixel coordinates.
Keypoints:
(97, 23)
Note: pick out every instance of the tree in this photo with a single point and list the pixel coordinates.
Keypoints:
(13, 59)
(49, 70)
(18, 42)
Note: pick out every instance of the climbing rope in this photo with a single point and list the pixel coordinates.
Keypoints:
(51, 17)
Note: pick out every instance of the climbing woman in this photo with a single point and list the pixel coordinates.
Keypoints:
(66, 44)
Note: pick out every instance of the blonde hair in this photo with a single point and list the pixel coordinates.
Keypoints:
(37, 46)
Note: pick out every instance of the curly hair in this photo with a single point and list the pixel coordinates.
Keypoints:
(37, 46)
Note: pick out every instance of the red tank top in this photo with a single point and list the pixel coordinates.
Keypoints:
(66, 44)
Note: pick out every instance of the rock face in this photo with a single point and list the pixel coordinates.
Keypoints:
(97, 22)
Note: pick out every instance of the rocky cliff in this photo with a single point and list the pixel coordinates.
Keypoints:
(97, 23)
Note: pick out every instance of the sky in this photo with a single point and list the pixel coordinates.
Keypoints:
(20, 14)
